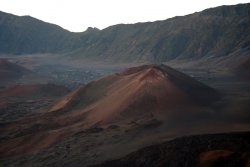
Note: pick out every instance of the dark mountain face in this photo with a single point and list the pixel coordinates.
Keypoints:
(214, 32)
(24, 35)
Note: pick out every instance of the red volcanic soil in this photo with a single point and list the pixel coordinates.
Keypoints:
(213, 155)
(136, 94)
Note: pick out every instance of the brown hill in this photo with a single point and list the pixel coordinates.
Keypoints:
(136, 93)
(148, 95)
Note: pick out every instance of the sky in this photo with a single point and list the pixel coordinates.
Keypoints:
(78, 15)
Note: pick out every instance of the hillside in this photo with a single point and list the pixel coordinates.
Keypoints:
(116, 115)
(220, 33)
(136, 94)
(149, 95)
(25, 35)
(214, 32)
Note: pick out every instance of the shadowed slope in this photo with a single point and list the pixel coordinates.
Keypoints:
(26, 35)
(211, 34)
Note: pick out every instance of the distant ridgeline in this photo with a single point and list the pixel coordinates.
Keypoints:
(213, 32)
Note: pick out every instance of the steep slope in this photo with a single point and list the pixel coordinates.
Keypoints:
(215, 32)
(25, 35)
(145, 92)
(218, 34)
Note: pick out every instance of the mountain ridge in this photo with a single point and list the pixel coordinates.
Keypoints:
(25, 35)
(215, 32)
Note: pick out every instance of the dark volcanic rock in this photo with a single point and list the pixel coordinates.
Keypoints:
(186, 152)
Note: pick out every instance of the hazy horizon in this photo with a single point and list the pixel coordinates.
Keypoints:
(77, 15)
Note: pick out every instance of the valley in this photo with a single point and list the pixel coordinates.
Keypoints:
(98, 142)
(167, 93)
